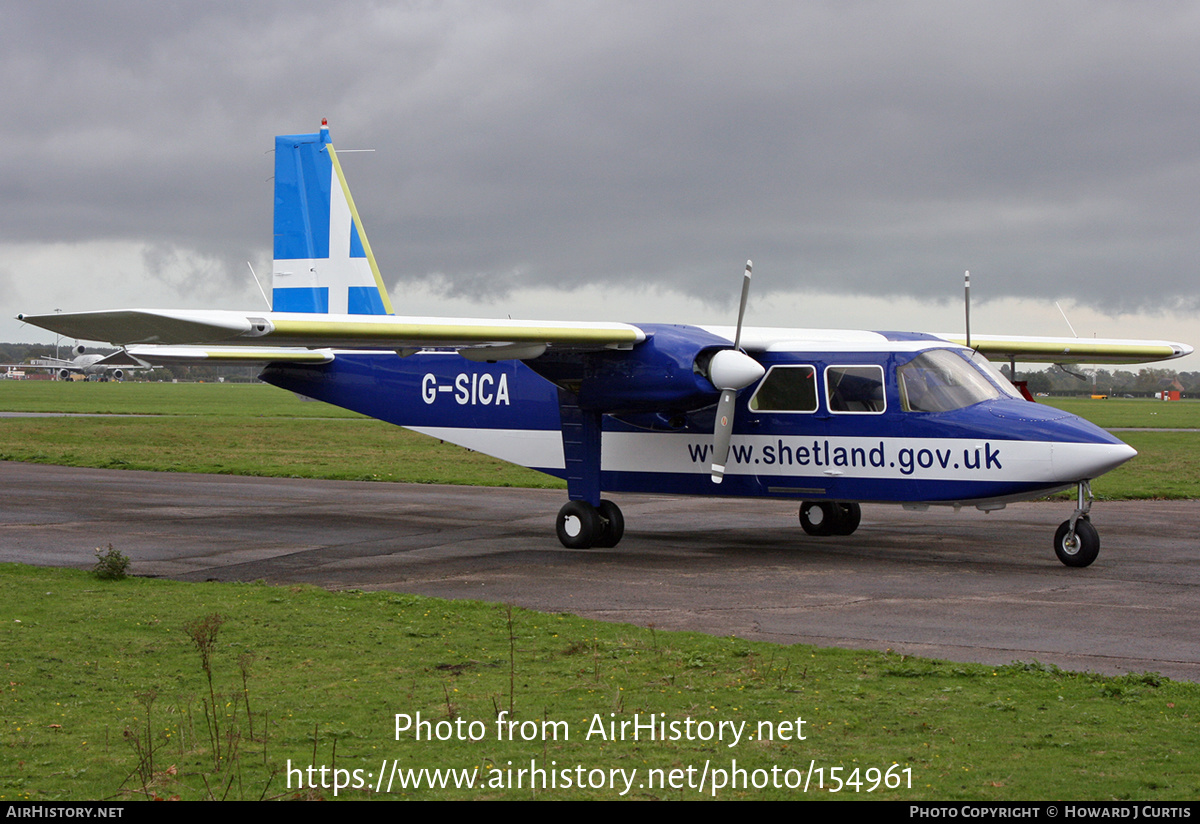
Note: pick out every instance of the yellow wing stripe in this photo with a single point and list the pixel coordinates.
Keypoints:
(258, 355)
(318, 330)
(1081, 350)
(226, 354)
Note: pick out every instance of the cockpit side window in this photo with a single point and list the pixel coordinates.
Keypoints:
(787, 389)
(940, 381)
(855, 389)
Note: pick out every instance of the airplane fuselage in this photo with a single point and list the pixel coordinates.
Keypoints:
(841, 424)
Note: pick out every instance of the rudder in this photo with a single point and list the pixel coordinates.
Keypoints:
(323, 260)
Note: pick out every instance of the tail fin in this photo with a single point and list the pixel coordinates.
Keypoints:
(323, 262)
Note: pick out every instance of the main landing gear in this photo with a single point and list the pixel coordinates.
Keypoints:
(1077, 543)
(830, 517)
(581, 525)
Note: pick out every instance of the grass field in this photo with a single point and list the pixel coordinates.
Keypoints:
(1168, 463)
(232, 429)
(225, 400)
(106, 697)
(1131, 412)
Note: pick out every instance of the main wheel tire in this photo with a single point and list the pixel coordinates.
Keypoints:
(612, 525)
(1083, 549)
(851, 517)
(820, 517)
(578, 525)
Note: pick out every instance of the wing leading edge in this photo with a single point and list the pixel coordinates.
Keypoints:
(284, 329)
(269, 335)
(1072, 350)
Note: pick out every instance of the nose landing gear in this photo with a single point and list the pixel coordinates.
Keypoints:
(1077, 543)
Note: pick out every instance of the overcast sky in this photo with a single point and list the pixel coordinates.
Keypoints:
(621, 161)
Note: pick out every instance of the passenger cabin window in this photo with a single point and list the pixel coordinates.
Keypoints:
(855, 389)
(941, 381)
(787, 389)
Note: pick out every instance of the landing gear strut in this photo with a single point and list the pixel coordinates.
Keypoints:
(1077, 543)
(830, 517)
(581, 525)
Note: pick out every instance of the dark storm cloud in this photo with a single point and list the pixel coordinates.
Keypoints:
(851, 147)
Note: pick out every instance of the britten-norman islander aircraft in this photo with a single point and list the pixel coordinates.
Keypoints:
(828, 418)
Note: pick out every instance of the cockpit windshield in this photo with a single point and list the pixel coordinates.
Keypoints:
(940, 381)
(997, 376)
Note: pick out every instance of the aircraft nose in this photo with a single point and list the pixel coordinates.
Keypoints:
(1083, 461)
(1080, 450)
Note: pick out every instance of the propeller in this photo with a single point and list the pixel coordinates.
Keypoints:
(731, 370)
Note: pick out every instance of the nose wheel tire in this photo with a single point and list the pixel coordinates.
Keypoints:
(1082, 548)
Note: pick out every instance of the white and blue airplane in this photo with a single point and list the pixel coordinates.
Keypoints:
(827, 418)
(91, 367)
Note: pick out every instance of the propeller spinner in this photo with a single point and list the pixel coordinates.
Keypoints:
(731, 370)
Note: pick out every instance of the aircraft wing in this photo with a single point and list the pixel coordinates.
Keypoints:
(1022, 348)
(50, 363)
(1071, 350)
(293, 336)
(299, 329)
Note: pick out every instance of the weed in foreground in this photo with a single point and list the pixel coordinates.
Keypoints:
(111, 565)
(203, 632)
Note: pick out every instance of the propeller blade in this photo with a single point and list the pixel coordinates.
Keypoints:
(731, 370)
(722, 432)
(737, 338)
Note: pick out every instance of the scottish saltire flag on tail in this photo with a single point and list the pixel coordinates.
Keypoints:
(323, 262)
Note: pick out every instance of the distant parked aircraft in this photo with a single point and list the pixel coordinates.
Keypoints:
(92, 367)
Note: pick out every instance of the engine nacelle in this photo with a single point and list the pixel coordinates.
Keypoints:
(666, 373)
